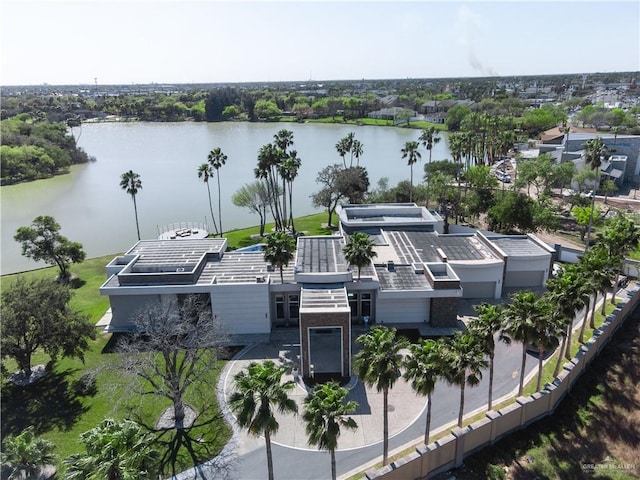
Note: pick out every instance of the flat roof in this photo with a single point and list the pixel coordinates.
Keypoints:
(417, 247)
(320, 255)
(171, 255)
(401, 277)
(518, 246)
(323, 298)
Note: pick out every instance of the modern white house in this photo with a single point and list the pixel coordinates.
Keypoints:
(414, 281)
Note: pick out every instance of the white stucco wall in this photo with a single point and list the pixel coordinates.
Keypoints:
(242, 308)
(475, 272)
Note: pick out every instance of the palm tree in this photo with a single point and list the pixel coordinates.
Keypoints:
(595, 152)
(217, 159)
(519, 320)
(258, 390)
(464, 363)
(343, 148)
(131, 183)
(205, 173)
(597, 272)
(325, 413)
(289, 171)
(114, 451)
(566, 292)
(268, 161)
(429, 137)
(278, 250)
(357, 150)
(378, 364)
(282, 141)
(359, 251)
(423, 366)
(24, 455)
(544, 333)
(485, 327)
(411, 153)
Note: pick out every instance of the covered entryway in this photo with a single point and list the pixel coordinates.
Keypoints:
(325, 330)
(325, 350)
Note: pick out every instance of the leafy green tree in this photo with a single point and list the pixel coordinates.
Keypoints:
(359, 251)
(620, 237)
(258, 390)
(354, 183)
(331, 192)
(325, 412)
(24, 455)
(584, 217)
(205, 172)
(378, 364)
(43, 241)
(114, 450)
(131, 183)
(455, 116)
(489, 324)
(411, 153)
(217, 159)
(464, 361)
(255, 197)
(511, 211)
(423, 367)
(36, 315)
(267, 110)
(279, 250)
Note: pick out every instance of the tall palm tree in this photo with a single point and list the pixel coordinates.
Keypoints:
(595, 152)
(283, 140)
(488, 324)
(423, 367)
(544, 332)
(131, 183)
(567, 293)
(325, 412)
(205, 173)
(289, 171)
(258, 391)
(411, 153)
(429, 137)
(279, 250)
(519, 320)
(114, 451)
(378, 364)
(464, 363)
(217, 159)
(267, 169)
(343, 148)
(24, 455)
(359, 251)
(357, 150)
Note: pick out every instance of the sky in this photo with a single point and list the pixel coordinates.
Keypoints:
(80, 42)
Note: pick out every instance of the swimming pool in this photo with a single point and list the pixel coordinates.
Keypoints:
(251, 248)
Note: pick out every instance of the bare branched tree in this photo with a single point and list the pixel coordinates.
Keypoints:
(172, 355)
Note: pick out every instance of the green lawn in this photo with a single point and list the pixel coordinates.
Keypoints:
(61, 409)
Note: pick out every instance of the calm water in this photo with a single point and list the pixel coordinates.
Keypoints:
(92, 209)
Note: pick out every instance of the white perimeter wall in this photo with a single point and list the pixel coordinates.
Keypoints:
(242, 308)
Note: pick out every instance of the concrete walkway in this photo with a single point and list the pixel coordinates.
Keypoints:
(405, 407)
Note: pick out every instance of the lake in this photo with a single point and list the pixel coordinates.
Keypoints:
(92, 209)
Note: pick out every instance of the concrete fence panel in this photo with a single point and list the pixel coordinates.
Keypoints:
(508, 421)
(478, 435)
(591, 349)
(440, 456)
(534, 407)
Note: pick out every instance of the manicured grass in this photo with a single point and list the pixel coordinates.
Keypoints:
(308, 225)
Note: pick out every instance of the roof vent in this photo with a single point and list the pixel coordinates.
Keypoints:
(180, 269)
(391, 266)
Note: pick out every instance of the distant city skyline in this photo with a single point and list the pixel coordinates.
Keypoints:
(79, 42)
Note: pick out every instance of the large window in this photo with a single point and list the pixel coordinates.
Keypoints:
(361, 307)
(287, 309)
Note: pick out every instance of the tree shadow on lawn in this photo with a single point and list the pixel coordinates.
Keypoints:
(51, 402)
